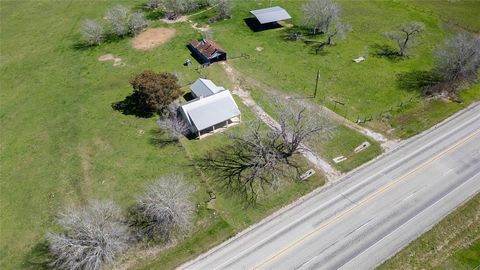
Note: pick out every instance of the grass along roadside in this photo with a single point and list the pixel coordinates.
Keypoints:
(338, 141)
(228, 207)
(454, 243)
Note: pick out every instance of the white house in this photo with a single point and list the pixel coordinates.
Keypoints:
(214, 108)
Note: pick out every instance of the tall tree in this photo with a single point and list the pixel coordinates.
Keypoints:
(259, 156)
(137, 22)
(172, 122)
(458, 60)
(223, 8)
(406, 36)
(165, 208)
(174, 7)
(319, 15)
(92, 32)
(94, 236)
(117, 17)
(154, 90)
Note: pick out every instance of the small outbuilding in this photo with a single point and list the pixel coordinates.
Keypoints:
(271, 15)
(204, 88)
(207, 51)
(213, 110)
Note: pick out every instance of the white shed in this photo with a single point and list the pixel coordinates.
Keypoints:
(211, 113)
(204, 88)
(271, 14)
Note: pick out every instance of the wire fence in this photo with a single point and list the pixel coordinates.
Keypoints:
(342, 109)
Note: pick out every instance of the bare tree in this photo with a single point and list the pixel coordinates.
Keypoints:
(259, 156)
(154, 4)
(137, 22)
(223, 8)
(165, 208)
(458, 61)
(117, 17)
(339, 30)
(319, 15)
(92, 32)
(94, 236)
(175, 7)
(172, 121)
(406, 36)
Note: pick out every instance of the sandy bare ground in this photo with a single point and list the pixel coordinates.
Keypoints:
(117, 61)
(321, 164)
(152, 38)
(177, 20)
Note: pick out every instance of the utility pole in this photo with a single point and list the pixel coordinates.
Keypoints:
(316, 84)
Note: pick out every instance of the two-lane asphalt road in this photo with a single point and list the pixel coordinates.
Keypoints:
(369, 215)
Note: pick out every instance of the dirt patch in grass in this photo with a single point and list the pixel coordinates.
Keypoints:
(152, 38)
(117, 61)
(177, 20)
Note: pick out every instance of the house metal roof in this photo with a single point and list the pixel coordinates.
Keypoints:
(207, 47)
(205, 88)
(272, 14)
(206, 112)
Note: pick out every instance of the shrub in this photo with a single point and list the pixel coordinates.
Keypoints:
(94, 236)
(137, 22)
(92, 32)
(165, 208)
(117, 17)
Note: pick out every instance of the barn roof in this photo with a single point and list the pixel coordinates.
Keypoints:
(205, 88)
(207, 47)
(209, 111)
(272, 14)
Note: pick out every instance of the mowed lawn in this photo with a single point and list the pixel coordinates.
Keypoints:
(366, 89)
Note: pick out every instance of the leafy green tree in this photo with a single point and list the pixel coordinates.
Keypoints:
(155, 91)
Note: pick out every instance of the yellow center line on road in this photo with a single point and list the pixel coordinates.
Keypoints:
(367, 199)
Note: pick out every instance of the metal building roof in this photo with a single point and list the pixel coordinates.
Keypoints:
(272, 14)
(205, 88)
(208, 48)
(209, 111)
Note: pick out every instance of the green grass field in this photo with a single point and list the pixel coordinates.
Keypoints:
(367, 89)
(453, 243)
(62, 143)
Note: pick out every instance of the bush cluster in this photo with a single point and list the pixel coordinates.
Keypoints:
(95, 235)
(120, 22)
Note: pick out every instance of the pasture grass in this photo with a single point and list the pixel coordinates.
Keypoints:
(367, 89)
(62, 143)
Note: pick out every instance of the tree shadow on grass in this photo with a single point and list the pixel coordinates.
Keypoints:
(160, 138)
(39, 257)
(82, 45)
(133, 105)
(317, 47)
(386, 51)
(417, 80)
